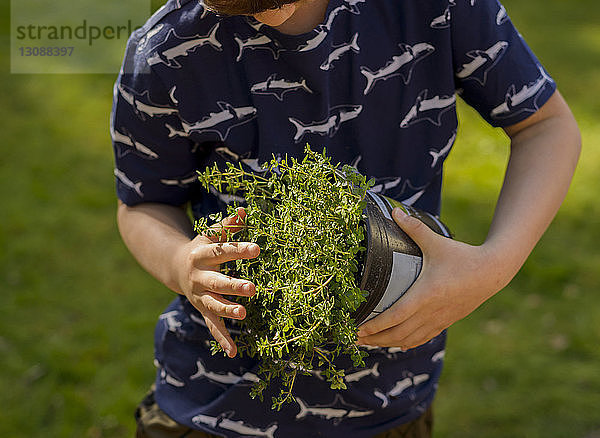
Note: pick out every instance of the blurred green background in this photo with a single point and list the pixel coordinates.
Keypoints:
(77, 313)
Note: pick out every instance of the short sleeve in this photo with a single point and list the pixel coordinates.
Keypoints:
(495, 70)
(154, 162)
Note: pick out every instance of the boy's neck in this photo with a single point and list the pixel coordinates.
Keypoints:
(308, 14)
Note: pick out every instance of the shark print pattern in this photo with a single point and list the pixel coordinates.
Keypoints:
(241, 427)
(337, 411)
(180, 182)
(400, 65)
(436, 155)
(229, 155)
(323, 30)
(443, 21)
(501, 16)
(146, 38)
(134, 146)
(382, 185)
(428, 109)
(523, 101)
(329, 126)
(141, 108)
(339, 51)
(482, 61)
(169, 56)
(225, 379)
(220, 122)
(123, 179)
(400, 387)
(279, 87)
(258, 42)
(169, 379)
(355, 377)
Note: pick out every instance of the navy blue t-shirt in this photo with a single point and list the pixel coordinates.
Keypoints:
(375, 84)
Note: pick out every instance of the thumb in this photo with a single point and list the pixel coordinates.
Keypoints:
(423, 236)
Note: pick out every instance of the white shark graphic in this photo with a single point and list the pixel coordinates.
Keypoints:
(172, 95)
(443, 21)
(135, 146)
(278, 87)
(426, 109)
(436, 155)
(352, 6)
(149, 35)
(314, 42)
(501, 16)
(322, 30)
(169, 379)
(189, 45)
(226, 379)
(329, 126)
(229, 155)
(205, 10)
(169, 318)
(180, 182)
(338, 410)
(258, 42)
(400, 65)
(173, 132)
(356, 161)
(254, 23)
(385, 183)
(226, 198)
(141, 108)
(123, 179)
(314, 373)
(223, 421)
(524, 100)
(417, 192)
(220, 122)
(339, 51)
(400, 387)
(438, 356)
(355, 377)
(482, 61)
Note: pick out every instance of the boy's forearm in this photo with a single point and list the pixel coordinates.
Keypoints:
(154, 233)
(542, 161)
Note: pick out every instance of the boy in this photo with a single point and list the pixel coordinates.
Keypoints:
(375, 83)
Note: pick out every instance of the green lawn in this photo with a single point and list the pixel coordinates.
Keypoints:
(77, 313)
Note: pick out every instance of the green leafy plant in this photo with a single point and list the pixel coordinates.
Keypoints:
(306, 216)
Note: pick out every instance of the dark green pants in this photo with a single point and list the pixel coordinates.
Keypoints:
(152, 422)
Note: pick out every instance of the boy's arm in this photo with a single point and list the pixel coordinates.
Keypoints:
(161, 238)
(457, 277)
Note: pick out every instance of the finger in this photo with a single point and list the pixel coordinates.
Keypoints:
(423, 236)
(420, 336)
(397, 314)
(233, 224)
(217, 328)
(216, 282)
(393, 336)
(217, 253)
(221, 306)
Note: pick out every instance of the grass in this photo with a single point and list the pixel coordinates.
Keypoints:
(77, 313)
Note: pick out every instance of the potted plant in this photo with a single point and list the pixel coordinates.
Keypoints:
(329, 260)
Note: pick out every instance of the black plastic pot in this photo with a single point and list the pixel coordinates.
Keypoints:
(393, 260)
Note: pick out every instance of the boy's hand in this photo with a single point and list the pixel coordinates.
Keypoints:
(198, 263)
(456, 278)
